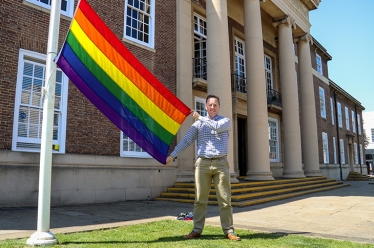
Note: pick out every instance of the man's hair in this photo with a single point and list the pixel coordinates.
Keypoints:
(212, 96)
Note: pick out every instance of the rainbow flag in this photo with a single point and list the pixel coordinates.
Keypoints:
(106, 72)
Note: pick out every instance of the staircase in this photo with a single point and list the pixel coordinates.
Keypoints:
(354, 176)
(247, 193)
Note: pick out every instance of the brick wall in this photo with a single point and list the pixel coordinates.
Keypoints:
(88, 131)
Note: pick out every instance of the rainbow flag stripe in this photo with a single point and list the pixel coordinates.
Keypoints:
(115, 81)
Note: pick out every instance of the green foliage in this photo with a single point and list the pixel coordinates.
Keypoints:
(168, 233)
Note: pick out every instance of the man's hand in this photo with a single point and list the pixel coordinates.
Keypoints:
(195, 115)
(169, 159)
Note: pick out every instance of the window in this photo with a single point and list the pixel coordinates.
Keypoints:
(355, 151)
(340, 115)
(319, 64)
(28, 112)
(200, 37)
(273, 140)
(322, 105)
(67, 6)
(361, 155)
(130, 149)
(240, 65)
(139, 21)
(332, 111)
(353, 122)
(359, 124)
(334, 145)
(342, 156)
(372, 135)
(200, 106)
(268, 73)
(325, 144)
(347, 118)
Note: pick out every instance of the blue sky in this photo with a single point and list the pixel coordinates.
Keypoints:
(345, 28)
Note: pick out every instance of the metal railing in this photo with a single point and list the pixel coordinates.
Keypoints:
(199, 68)
(238, 83)
(274, 97)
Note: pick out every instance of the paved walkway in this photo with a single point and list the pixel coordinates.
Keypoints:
(346, 214)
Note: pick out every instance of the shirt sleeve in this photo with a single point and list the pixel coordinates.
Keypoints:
(187, 140)
(220, 126)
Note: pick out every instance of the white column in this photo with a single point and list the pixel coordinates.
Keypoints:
(290, 104)
(257, 117)
(218, 64)
(185, 160)
(308, 109)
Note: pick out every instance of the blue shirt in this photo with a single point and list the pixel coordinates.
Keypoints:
(212, 136)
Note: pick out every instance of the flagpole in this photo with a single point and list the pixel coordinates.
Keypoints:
(43, 236)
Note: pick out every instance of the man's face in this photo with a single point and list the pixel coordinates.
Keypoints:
(212, 107)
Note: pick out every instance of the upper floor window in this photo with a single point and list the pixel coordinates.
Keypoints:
(325, 144)
(28, 110)
(347, 118)
(268, 72)
(359, 124)
(340, 120)
(273, 140)
(67, 6)
(332, 111)
(353, 122)
(200, 37)
(322, 104)
(319, 64)
(372, 135)
(240, 73)
(140, 21)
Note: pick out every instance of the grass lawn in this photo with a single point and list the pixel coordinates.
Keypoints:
(168, 233)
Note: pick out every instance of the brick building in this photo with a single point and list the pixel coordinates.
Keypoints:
(258, 56)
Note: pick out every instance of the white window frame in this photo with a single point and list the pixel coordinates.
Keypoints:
(130, 6)
(359, 124)
(353, 122)
(325, 147)
(32, 144)
(200, 46)
(340, 120)
(322, 102)
(347, 118)
(135, 151)
(355, 152)
(200, 104)
(332, 112)
(268, 63)
(334, 145)
(342, 154)
(240, 64)
(271, 156)
(69, 6)
(319, 64)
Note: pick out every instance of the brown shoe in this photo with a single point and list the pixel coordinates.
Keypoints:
(233, 236)
(192, 235)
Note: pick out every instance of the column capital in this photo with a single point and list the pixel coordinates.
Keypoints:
(285, 20)
(305, 37)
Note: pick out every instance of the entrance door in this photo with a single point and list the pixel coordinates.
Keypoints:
(242, 146)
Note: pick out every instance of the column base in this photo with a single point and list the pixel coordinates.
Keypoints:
(42, 238)
(313, 173)
(259, 176)
(185, 177)
(233, 177)
(293, 174)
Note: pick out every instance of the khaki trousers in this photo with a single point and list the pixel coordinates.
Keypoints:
(219, 171)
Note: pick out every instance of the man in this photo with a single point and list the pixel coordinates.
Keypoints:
(212, 136)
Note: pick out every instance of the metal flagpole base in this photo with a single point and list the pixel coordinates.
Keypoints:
(42, 238)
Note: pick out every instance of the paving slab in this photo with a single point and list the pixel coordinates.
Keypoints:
(345, 214)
